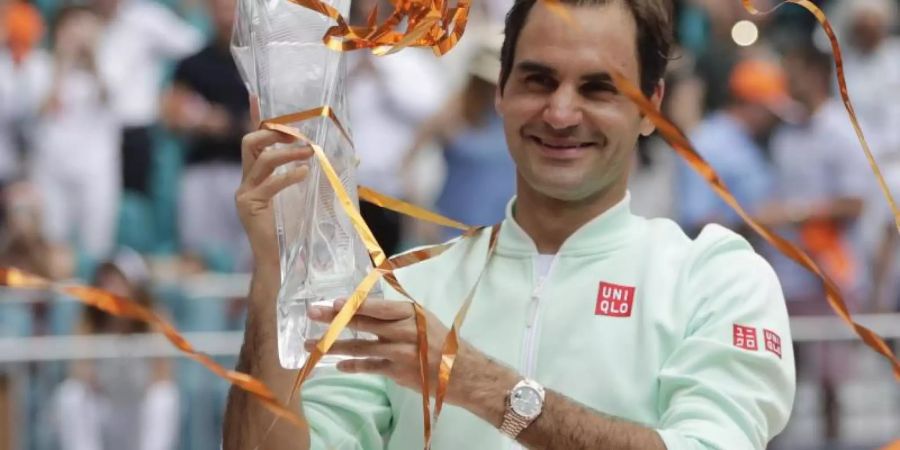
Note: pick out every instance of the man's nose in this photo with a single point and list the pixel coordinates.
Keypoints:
(564, 109)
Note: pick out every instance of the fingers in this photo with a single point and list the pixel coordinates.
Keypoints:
(371, 365)
(387, 330)
(363, 348)
(275, 184)
(381, 309)
(254, 143)
(271, 159)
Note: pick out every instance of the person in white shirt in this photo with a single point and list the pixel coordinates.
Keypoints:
(872, 65)
(21, 29)
(822, 180)
(389, 98)
(118, 403)
(74, 158)
(139, 37)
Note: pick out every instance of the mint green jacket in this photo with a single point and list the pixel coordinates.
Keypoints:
(634, 320)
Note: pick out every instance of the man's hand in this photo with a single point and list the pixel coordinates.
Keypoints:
(259, 186)
(395, 354)
(478, 383)
(246, 421)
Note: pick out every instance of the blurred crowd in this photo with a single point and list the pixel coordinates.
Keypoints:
(121, 123)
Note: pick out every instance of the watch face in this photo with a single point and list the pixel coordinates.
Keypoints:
(526, 401)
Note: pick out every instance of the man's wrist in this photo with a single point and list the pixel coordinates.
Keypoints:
(267, 270)
(481, 385)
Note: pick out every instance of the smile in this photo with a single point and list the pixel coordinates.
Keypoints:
(561, 148)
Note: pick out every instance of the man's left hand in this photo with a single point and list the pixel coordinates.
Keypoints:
(395, 353)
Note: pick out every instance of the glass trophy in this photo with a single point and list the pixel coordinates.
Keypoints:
(278, 47)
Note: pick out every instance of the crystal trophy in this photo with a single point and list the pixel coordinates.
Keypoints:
(278, 47)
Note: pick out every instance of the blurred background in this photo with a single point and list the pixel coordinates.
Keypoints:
(120, 128)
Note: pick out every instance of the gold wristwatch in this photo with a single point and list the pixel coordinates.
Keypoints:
(523, 405)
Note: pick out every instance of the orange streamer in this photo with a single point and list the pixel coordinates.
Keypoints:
(433, 23)
(383, 268)
(429, 24)
(122, 307)
(682, 145)
(842, 84)
(450, 347)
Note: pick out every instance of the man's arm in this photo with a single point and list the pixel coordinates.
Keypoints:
(728, 385)
(478, 384)
(563, 423)
(246, 420)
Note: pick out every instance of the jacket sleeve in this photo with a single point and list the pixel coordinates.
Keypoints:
(730, 384)
(346, 412)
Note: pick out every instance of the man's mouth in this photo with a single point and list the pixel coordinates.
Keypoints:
(561, 148)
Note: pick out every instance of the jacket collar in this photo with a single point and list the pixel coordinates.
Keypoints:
(606, 232)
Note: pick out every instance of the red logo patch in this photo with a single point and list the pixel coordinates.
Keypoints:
(745, 337)
(773, 341)
(614, 300)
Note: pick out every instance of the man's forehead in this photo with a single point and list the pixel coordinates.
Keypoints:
(591, 37)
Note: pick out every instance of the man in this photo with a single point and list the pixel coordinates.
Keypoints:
(729, 140)
(592, 327)
(208, 104)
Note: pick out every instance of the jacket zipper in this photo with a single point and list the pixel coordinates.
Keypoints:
(531, 325)
(529, 348)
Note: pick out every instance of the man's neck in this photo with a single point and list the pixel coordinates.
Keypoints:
(549, 221)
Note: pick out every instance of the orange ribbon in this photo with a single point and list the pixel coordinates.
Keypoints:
(842, 84)
(429, 24)
(683, 147)
(451, 344)
(436, 25)
(384, 268)
(122, 307)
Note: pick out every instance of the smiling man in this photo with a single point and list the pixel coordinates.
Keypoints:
(591, 327)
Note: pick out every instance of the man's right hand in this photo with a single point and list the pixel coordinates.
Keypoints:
(247, 423)
(260, 184)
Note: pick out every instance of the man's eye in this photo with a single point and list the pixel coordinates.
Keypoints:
(540, 81)
(598, 88)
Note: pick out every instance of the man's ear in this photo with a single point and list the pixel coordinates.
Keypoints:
(647, 126)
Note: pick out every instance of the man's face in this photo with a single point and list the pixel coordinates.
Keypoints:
(568, 129)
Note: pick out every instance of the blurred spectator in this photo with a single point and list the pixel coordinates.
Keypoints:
(22, 245)
(480, 173)
(705, 30)
(872, 64)
(822, 181)
(208, 104)
(389, 97)
(118, 403)
(138, 38)
(730, 140)
(21, 28)
(654, 169)
(74, 160)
